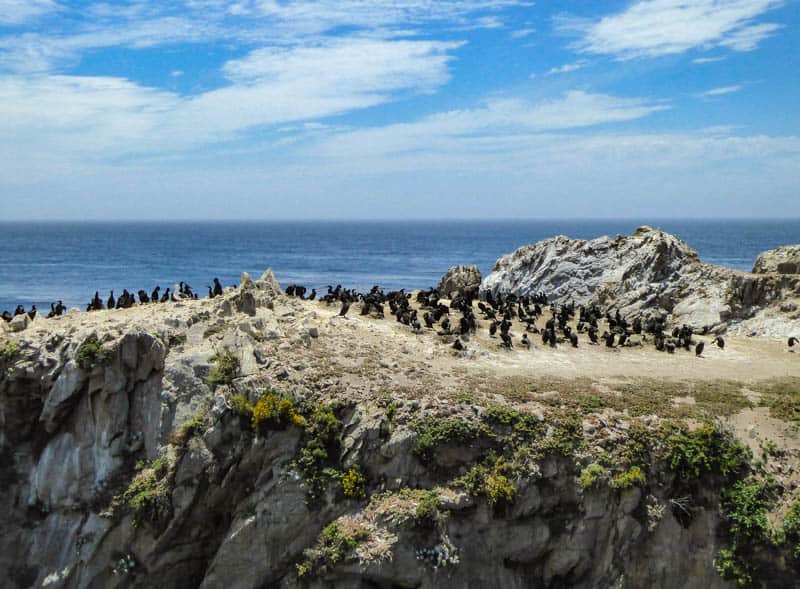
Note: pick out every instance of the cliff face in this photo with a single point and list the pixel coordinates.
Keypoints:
(242, 442)
(651, 272)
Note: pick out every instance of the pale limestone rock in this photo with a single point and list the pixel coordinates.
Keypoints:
(465, 280)
(781, 260)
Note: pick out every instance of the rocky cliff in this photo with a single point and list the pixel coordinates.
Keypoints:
(651, 272)
(256, 440)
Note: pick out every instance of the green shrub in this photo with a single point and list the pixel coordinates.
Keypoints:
(745, 507)
(706, 450)
(493, 479)
(791, 528)
(275, 412)
(334, 545)
(428, 513)
(149, 495)
(320, 450)
(196, 426)
(8, 351)
(434, 431)
(226, 368)
(354, 484)
(633, 477)
(592, 475)
(89, 353)
(525, 427)
(241, 405)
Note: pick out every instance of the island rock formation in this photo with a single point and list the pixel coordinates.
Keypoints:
(465, 280)
(781, 260)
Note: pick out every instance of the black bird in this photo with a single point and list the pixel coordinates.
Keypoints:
(217, 287)
(525, 341)
(457, 345)
(793, 341)
(313, 294)
(60, 308)
(165, 297)
(32, 312)
(720, 342)
(111, 303)
(210, 292)
(506, 340)
(609, 337)
(698, 349)
(573, 340)
(345, 308)
(622, 339)
(154, 296)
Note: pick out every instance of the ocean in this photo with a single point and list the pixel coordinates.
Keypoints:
(44, 262)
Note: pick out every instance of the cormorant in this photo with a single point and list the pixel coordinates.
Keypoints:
(217, 287)
(698, 349)
(165, 296)
(457, 345)
(345, 308)
(111, 303)
(32, 312)
(525, 341)
(154, 296)
(573, 340)
(720, 342)
(793, 341)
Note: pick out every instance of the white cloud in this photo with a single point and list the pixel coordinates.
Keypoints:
(651, 28)
(567, 67)
(704, 60)
(522, 33)
(112, 116)
(16, 12)
(721, 91)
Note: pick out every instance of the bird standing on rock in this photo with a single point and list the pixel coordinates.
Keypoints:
(719, 342)
(345, 308)
(698, 349)
(792, 342)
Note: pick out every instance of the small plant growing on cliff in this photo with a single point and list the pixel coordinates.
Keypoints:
(275, 412)
(633, 477)
(241, 405)
(592, 475)
(433, 432)
(708, 449)
(746, 507)
(196, 426)
(89, 353)
(791, 528)
(493, 479)
(335, 544)
(8, 351)
(320, 450)
(226, 368)
(354, 484)
(149, 493)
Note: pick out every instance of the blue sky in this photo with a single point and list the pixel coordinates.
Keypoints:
(404, 109)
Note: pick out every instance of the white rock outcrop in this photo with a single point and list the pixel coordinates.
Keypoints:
(781, 260)
(649, 273)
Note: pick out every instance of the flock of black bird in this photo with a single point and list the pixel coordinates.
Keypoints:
(458, 318)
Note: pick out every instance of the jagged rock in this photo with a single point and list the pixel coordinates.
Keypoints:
(465, 280)
(245, 281)
(269, 283)
(782, 260)
(648, 273)
(20, 323)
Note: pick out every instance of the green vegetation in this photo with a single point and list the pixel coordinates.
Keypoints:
(196, 426)
(707, 450)
(149, 495)
(274, 412)
(241, 405)
(745, 507)
(791, 528)
(433, 432)
(226, 368)
(354, 484)
(177, 339)
(592, 475)
(8, 351)
(525, 427)
(782, 396)
(494, 479)
(334, 545)
(633, 477)
(428, 514)
(320, 451)
(89, 353)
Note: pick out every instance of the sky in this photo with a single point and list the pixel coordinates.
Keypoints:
(401, 109)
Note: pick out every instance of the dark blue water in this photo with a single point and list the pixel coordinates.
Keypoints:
(42, 262)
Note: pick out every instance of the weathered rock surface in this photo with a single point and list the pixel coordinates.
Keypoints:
(237, 514)
(781, 260)
(649, 273)
(465, 280)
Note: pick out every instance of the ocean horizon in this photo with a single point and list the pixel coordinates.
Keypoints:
(45, 261)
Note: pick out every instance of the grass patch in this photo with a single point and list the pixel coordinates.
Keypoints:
(90, 353)
(633, 477)
(782, 396)
(196, 426)
(149, 495)
(335, 544)
(8, 351)
(433, 432)
(592, 476)
(241, 405)
(225, 370)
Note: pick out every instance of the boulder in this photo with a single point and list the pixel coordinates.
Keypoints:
(781, 260)
(465, 280)
(20, 322)
(648, 273)
(269, 283)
